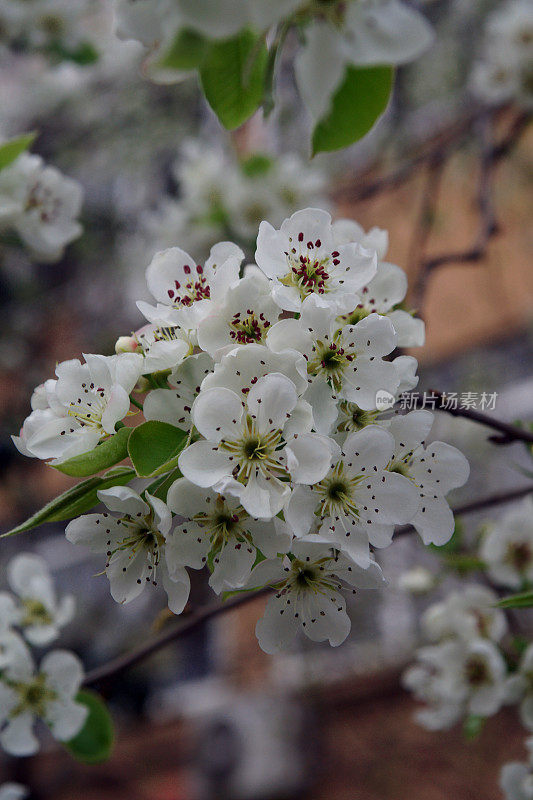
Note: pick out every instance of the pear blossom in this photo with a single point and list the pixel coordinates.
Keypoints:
(47, 693)
(184, 290)
(434, 471)
(13, 791)
(135, 544)
(359, 33)
(43, 24)
(467, 614)
(246, 449)
(519, 688)
(417, 581)
(455, 679)
(301, 258)
(358, 502)
(244, 317)
(38, 612)
(342, 362)
(174, 405)
(218, 524)
(516, 778)
(84, 405)
(163, 347)
(41, 205)
(507, 547)
(309, 594)
(241, 368)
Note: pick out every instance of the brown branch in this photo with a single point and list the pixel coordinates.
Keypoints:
(476, 505)
(508, 432)
(206, 613)
(491, 155)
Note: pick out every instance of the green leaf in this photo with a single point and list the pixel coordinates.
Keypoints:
(361, 98)
(94, 743)
(12, 149)
(160, 487)
(463, 562)
(256, 165)
(472, 726)
(522, 600)
(76, 500)
(187, 51)
(154, 447)
(233, 76)
(104, 455)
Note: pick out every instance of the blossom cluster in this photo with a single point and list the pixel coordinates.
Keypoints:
(505, 71)
(40, 205)
(291, 469)
(220, 196)
(33, 614)
(334, 35)
(51, 26)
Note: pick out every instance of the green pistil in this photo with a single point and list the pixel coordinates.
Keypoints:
(35, 613)
(33, 696)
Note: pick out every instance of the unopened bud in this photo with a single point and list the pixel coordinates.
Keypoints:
(126, 344)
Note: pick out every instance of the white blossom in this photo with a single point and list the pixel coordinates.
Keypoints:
(520, 687)
(84, 405)
(507, 547)
(434, 470)
(309, 594)
(358, 502)
(302, 258)
(363, 33)
(13, 791)
(342, 362)
(37, 611)
(135, 544)
(216, 523)
(516, 778)
(455, 679)
(28, 694)
(174, 405)
(468, 614)
(41, 205)
(246, 448)
(417, 581)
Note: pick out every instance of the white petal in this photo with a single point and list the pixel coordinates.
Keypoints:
(325, 617)
(309, 457)
(271, 400)
(368, 448)
(64, 672)
(442, 468)
(65, 719)
(186, 546)
(278, 626)
(300, 511)
(127, 575)
(177, 588)
(124, 500)
(411, 331)
(17, 738)
(264, 498)
(204, 464)
(319, 68)
(232, 567)
(217, 413)
(94, 531)
(372, 336)
(369, 382)
(434, 520)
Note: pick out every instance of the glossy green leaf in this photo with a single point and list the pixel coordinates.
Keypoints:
(11, 150)
(104, 455)
(187, 51)
(154, 448)
(359, 101)
(94, 743)
(522, 600)
(75, 501)
(233, 75)
(160, 487)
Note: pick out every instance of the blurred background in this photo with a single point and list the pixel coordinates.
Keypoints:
(211, 716)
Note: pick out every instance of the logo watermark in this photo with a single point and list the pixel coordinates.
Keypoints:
(451, 401)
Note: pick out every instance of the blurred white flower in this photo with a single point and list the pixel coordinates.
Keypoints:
(468, 614)
(507, 547)
(37, 612)
(417, 580)
(516, 779)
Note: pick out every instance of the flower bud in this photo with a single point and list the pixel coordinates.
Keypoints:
(126, 344)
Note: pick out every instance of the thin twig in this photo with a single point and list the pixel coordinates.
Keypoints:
(509, 433)
(206, 613)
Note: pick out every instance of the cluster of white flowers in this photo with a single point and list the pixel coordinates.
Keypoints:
(505, 71)
(220, 197)
(28, 693)
(43, 24)
(507, 547)
(293, 468)
(40, 205)
(516, 778)
(334, 35)
(463, 671)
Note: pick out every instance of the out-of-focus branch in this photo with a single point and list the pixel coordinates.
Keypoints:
(508, 433)
(491, 155)
(203, 614)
